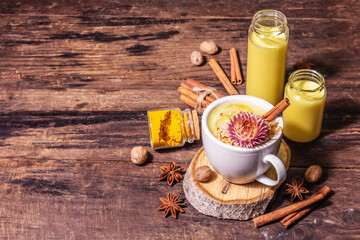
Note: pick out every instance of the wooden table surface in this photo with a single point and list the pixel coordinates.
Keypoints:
(76, 81)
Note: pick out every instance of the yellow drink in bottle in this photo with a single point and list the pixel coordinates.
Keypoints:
(303, 118)
(266, 61)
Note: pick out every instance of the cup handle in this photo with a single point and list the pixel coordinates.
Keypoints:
(280, 171)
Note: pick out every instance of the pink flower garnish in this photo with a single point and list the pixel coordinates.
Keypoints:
(247, 130)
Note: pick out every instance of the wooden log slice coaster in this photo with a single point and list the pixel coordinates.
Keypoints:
(240, 202)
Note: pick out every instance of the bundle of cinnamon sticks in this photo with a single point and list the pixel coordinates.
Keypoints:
(200, 96)
(236, 77)
(294, 212)
(194, 93)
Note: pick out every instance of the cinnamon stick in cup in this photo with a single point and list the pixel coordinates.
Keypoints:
(275, 111)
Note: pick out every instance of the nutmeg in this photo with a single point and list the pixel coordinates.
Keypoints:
(313, 173)
(203, 173)
(209, 47)
(138, 155)
(196, 58)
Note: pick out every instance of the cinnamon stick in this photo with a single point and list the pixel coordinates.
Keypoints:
(189, 101)
(235, 60)
(288, 217)
(275, 111)
(222, 77)
(193, 83)
(209, 97)
(295, 216)
(280, 213)
(232, 68)
(193, 96)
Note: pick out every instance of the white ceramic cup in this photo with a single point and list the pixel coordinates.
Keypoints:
(243, 165)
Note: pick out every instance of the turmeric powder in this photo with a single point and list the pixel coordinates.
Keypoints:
(170, 128)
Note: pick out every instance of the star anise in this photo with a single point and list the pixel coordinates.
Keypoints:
(171, 205)
(171, 173)
(295, 189)
(301, 65)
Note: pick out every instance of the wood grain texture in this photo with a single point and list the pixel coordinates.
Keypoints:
(101, 199)
(76, 80)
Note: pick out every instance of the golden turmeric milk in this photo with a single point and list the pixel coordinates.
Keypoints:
(266, 61)
(307, 93)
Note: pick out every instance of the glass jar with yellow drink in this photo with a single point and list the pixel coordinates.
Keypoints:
(307, 93)
(266, 59)
(172, 127)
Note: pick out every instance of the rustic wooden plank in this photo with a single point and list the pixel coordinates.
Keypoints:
(78, 54)
(111, 135)
(142, 8)
(70, 57)
(94, 199)
(153, 94)
(76, 80)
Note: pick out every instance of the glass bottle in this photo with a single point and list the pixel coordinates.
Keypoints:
(266, 59)
(307, 93)
(172, 127)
